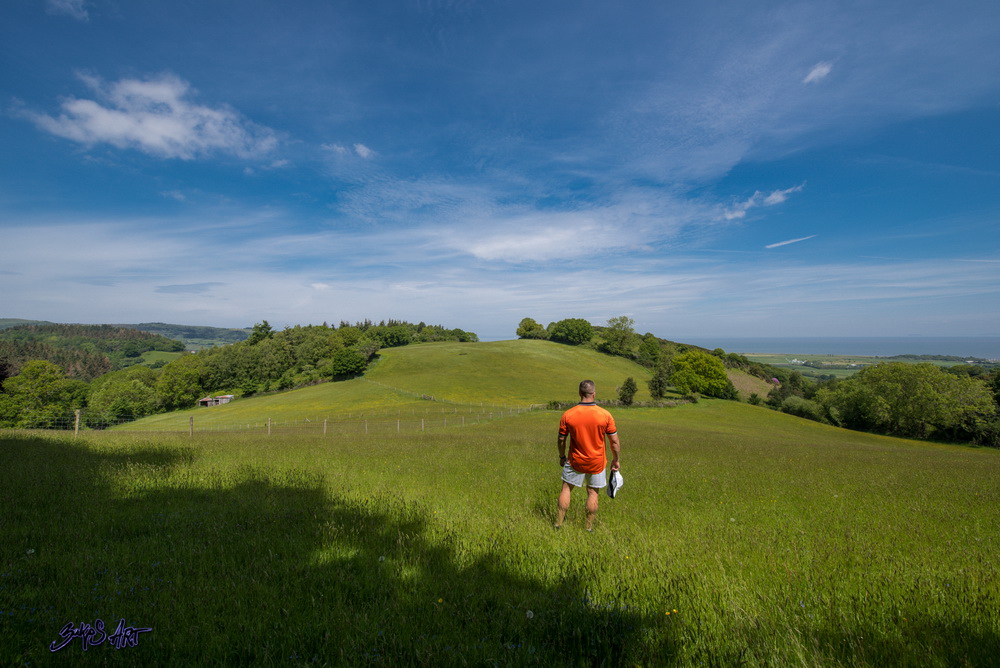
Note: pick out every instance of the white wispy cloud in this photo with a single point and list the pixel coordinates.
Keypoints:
(335, 148)
(358, 149)
(818, 72)
(760, 199)
(74, 8)
(156, 116)
(790, 241)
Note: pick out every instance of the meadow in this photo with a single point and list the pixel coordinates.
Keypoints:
(742, 537)
(839, 366)
(426, 381)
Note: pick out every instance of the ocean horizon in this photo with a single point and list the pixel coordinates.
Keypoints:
(983, 347)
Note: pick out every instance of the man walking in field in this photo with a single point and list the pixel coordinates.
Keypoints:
(586, 425)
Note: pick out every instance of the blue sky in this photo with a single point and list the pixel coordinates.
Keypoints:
(706, 168)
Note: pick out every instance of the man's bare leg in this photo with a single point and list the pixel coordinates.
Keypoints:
(564, 497)
(593, 496)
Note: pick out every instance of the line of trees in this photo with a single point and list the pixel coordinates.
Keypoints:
(84, 351)
(688, 369)
(922, 400)
(268, 360)
(916, 400)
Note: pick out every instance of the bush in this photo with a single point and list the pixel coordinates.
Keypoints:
(803, 408)
(530, 329)
(347, 363)
(626, 393)
(573, 331)
(698, 372)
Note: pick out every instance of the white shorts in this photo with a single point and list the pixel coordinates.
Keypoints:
(577, 479)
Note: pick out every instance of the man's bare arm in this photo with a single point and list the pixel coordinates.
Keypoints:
(616, 449)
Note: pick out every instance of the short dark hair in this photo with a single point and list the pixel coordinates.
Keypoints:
(586, 387)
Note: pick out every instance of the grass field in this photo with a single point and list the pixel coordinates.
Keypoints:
(742, 536)
(154, 356)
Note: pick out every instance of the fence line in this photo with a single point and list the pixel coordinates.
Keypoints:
(372, 423)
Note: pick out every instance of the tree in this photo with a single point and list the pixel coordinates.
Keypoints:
(626, 393)
(573, 331)
(40, 392)
(529, 329)
(910, 400)
(650, 351)
(660, 381)
(620, 337)
(261, 331)
(181, 382)
(698, 372)
(391, 337)
(130, 393)
(348, 362)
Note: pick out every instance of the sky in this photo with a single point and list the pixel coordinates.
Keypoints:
(708, 169)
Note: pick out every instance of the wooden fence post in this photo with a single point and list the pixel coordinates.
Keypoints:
(76, 423)
(191, 426)
(268, 426)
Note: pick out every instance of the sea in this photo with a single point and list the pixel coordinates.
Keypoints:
(982, 347)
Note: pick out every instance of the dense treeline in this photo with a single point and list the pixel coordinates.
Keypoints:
(121, 346)
(79, 364)
(268, 360)
(922, 400)
(916, 400)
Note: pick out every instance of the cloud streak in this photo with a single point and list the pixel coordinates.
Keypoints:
(157, 117)
(760, 199)
(790, 241)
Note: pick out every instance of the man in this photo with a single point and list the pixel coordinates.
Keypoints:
(587, 425)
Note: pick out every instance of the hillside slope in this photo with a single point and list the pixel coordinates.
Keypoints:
(518, 372)
(507, 373)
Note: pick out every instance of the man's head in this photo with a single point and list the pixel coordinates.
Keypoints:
(587, 388)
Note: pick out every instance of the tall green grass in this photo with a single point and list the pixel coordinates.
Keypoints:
(741, 536)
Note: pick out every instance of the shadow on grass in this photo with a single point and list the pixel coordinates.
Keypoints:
(252, 566)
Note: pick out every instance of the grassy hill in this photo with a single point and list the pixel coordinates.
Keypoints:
(517, 372)
(430, 377)
(746, 384)
(17, 322)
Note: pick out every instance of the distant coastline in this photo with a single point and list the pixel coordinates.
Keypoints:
(983, 347)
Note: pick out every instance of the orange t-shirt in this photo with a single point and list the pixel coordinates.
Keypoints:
(587, 425)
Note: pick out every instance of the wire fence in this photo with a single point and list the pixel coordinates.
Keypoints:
(399, 422)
